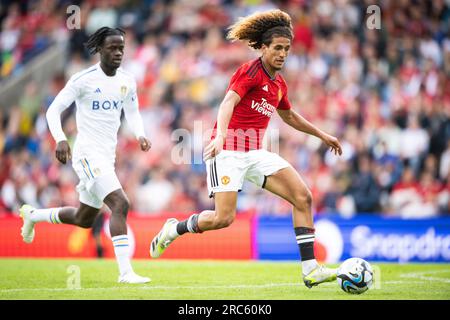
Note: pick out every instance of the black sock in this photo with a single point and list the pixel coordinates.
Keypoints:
(99, 252)
(305, 240)
(189, 225)
(182, 227)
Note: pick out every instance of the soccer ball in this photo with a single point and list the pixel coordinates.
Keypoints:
(355, 276)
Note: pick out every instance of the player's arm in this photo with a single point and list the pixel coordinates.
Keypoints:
(225, 112)
(134, 119)
(296, 121)
(223, 120)
(62, 101)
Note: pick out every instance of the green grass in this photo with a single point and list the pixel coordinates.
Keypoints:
(208, 280)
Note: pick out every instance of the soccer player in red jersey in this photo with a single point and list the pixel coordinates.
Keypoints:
(235, 152)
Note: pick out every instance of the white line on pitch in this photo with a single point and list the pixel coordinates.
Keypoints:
(326, 286)
(150, 287)
(422, 275)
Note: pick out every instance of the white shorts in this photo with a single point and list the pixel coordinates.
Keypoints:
(96, 181)
(229, 169)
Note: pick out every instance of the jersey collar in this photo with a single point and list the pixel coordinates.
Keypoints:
(267, 72)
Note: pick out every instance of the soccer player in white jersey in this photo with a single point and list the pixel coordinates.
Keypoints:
(100, 92)
(256, 91)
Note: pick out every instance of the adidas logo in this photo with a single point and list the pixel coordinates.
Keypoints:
(98, 90)
(265, 88)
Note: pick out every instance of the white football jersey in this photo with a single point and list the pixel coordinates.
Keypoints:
(99, 101)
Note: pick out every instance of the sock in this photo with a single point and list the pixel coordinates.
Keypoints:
(122, 251)
(189, 225)
(99, 250)
(305, 240)
(50, 215)
(181, 227)
(308, 266)
(173, 231)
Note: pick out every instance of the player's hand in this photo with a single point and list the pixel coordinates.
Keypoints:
(333, 143)
(213, 148)
(145, 144)
(63, 152)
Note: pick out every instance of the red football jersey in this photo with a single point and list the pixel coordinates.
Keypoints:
(260, 96)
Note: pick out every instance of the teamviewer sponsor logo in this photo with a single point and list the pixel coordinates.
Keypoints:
(263, 107)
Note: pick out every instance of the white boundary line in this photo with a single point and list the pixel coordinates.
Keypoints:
(150, 287)
(421, 275)
(326, 286)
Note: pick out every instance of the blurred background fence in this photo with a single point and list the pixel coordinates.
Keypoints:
(251, 236)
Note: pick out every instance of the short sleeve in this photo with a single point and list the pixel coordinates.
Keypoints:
(241, 83)
(284, 103)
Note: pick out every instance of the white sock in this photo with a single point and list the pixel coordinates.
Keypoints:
(122, 251)
(308, 266)
(173, 231)
(50, 215)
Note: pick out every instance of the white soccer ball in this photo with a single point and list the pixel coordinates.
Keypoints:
(355, 275)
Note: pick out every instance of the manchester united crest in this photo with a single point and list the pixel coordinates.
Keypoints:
(225, 180)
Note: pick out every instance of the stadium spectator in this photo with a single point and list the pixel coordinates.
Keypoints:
(444, 168)
(27, 29)
(414, 143)
(156, 194)
(364, 188)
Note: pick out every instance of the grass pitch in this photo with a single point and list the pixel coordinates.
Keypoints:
(207, 280)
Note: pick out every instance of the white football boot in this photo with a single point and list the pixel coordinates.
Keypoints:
(27, 230)
(132, 277)
(319, 275)
(162, 240)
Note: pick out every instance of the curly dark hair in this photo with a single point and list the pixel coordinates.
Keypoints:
(261, 27)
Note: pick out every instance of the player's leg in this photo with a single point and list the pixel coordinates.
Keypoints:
(119, 204)
(221, 217)
(83, 217)
(97, 228)
(288, 184)
(225, 176)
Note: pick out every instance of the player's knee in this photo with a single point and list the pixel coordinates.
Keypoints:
(303, 200)
(125, 206)
(121, 206)
(224, 221)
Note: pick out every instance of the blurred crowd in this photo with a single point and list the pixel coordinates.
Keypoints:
(385, 93)
(28, 28)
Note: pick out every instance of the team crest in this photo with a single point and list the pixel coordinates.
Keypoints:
(123, 90)
(97, 171)
(280, 94)
(225, 180)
